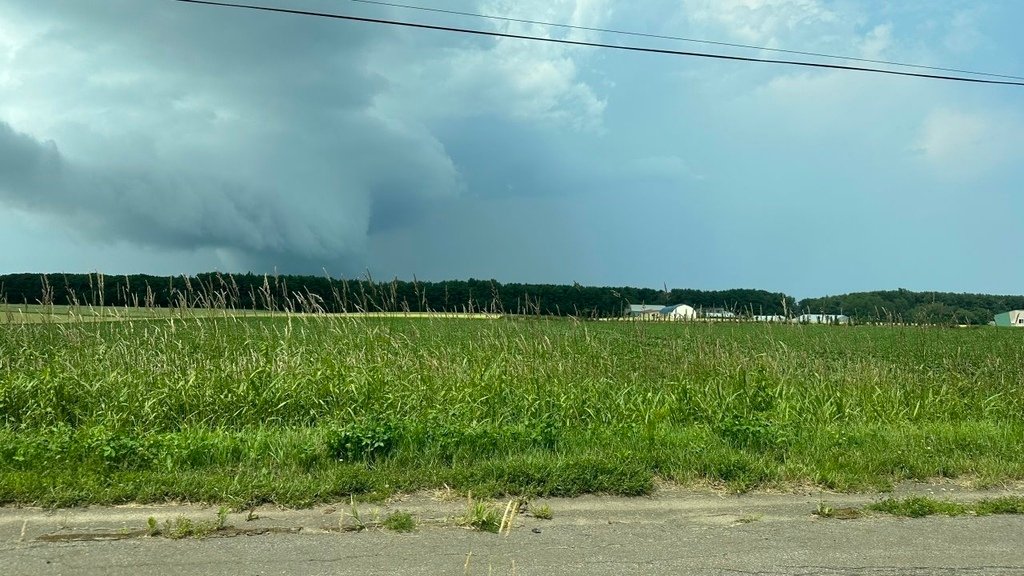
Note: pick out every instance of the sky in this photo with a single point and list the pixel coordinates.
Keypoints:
(154, 136)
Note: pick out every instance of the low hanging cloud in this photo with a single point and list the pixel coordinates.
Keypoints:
(279, 141)
(272, 158)
(191, 210)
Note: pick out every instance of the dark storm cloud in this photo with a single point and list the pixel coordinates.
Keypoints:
(27, 163)
(186, 210)
(203, 128)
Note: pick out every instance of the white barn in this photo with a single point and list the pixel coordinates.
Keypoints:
(679, 312)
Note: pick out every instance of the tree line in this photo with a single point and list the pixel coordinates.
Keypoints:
(906, 307)
(323, 294)
(320, 293)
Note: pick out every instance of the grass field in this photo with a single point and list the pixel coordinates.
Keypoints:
(62, 314)
(42, 314)
(296, 410)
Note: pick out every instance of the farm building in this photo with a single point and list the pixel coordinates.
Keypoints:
(764, 318)
(1011, 318)
(717, 313)
(658, 312)
(822, 319)
(679, 312)
(644, 310)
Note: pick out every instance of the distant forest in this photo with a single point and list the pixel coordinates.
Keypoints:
(318, 293)
(916, 307)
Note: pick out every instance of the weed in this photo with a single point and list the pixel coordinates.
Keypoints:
(361, 440)
(823, 510)
(358, 524)
(754, 432)
(514, 507)
(542, 512)
(481, 516)
(400, 522)
(222, 517)
(177, 529)
(918, 507)
(184, 527)
(1003, 505)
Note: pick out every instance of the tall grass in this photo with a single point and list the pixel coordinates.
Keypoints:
(297, 409)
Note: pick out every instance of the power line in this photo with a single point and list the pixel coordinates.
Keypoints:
(682, 39)
(709, 55)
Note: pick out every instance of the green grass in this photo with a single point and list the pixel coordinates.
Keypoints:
(57, 314)
(399, 522)
(481, 516)
(542, 512)
(918, 507)
(298, 410)
(183, 527)
(61, 314)
(1003, 505)
(921, 506)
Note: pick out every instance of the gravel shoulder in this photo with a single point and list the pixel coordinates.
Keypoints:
(676, 530)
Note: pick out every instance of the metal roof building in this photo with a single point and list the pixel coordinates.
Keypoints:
(822, 319)
(673, 312)
(1011, 318)
(645, 309)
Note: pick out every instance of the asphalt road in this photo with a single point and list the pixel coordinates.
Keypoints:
(672, 533)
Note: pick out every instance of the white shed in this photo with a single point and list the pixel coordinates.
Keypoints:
(679, 312)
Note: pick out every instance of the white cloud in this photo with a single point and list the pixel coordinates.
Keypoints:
(876, 42)
(768, 23)
(964, 144)
(527, 81)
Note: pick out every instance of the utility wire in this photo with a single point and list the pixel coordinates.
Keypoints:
(681, 39)
(475, 32)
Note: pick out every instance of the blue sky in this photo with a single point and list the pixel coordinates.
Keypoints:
(167, 138)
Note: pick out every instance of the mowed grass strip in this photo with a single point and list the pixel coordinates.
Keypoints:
(297, 410)
(921, 506)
